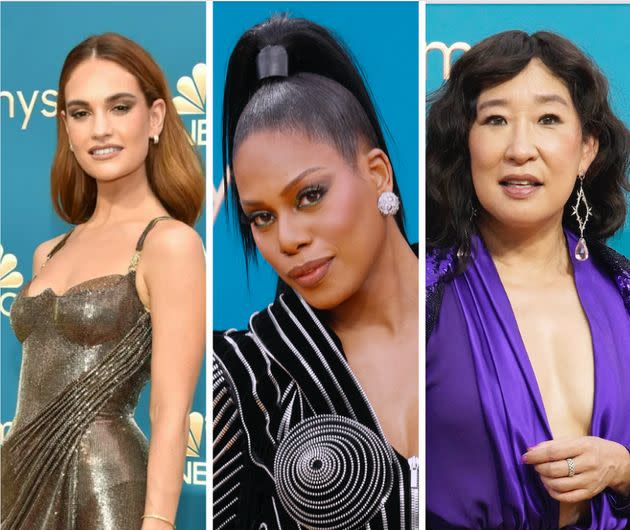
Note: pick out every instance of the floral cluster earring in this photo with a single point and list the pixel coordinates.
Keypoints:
(581, 250)
(388, 203)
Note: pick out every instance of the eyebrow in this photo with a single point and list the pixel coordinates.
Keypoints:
(541, 98)
(108, 99)
(291, 184)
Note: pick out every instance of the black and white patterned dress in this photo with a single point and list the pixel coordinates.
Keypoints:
(296, 442)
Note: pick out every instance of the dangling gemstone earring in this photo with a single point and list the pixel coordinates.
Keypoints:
(581, 250)
(388, 203)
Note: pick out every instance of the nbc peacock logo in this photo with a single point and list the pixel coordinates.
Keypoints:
(194, 435)
(196, 470)
(9, 278)
(191, 101)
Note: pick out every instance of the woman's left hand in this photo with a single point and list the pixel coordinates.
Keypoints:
(599, 464)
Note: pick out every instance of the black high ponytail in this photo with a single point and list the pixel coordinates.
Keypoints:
(323, 95)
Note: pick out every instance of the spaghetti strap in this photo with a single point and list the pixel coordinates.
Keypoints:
(54, 250)
(60, 244)
(136, 255)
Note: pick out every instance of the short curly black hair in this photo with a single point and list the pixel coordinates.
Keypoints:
(451, 197)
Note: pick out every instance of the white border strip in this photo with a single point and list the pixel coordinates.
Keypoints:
(209, 257)
(422, 89)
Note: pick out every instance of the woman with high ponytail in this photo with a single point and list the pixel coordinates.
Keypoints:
(316, 403)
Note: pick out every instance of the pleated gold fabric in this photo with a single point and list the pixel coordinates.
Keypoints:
(75, 458)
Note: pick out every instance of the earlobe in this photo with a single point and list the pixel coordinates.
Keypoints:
(380, 170)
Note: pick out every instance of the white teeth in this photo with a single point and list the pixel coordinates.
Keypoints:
(106, 151)
(519, 183)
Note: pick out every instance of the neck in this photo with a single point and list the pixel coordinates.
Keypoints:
(389, 296)
(539, 252)
(128, 198)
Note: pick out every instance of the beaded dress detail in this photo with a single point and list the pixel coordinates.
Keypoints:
(75, 458)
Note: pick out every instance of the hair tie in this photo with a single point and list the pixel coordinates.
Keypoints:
(272, 61)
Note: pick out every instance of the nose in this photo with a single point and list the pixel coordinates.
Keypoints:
(522, 145)
(293, 234)
(101, 126)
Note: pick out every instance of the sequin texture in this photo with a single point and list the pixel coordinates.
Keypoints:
(74, 457)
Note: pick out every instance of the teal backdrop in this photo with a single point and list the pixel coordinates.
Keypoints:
(36, 36)
(383, 37)
(601, 31)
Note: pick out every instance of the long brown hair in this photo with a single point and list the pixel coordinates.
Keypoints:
(173, 166)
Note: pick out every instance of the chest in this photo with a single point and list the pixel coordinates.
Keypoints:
(556, 335)
(94, 312)
(387, 370)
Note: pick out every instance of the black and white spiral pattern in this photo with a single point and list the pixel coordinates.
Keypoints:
(332, 472)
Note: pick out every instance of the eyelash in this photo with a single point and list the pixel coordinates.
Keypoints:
(318, 189)
(494, 119)
(491, 120)
(554, 117)
(119, 109)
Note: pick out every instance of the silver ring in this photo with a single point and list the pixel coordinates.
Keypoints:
(571, 464)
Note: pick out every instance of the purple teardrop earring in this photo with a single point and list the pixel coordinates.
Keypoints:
(581, 250)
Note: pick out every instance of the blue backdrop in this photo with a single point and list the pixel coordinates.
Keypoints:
(455, 26)
(35, 40)
(383, 37)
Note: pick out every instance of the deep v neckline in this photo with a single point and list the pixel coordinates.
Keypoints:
(583, 295)
(338, 345)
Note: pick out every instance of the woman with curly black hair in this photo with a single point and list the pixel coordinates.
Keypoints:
(528, 312)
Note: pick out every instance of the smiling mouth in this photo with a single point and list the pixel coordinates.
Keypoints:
(104, 151)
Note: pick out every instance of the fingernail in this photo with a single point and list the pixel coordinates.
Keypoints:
(524, 458)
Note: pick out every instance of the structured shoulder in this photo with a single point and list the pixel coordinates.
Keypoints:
(245, 363)
(439, 264)
(226, 343)
(612, 258)
(617, 266)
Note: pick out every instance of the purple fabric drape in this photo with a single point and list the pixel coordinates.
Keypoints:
(481, 384)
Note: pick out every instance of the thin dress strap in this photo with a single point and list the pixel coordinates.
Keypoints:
(54, 250)
(136, 255)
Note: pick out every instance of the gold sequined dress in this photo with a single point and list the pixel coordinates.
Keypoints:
(75, 458)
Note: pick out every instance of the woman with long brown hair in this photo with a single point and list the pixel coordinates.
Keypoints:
(97, 320)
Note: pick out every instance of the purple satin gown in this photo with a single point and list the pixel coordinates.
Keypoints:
(484, 407)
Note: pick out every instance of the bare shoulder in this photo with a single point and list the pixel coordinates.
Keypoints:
(43, 249)
(172, 242)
